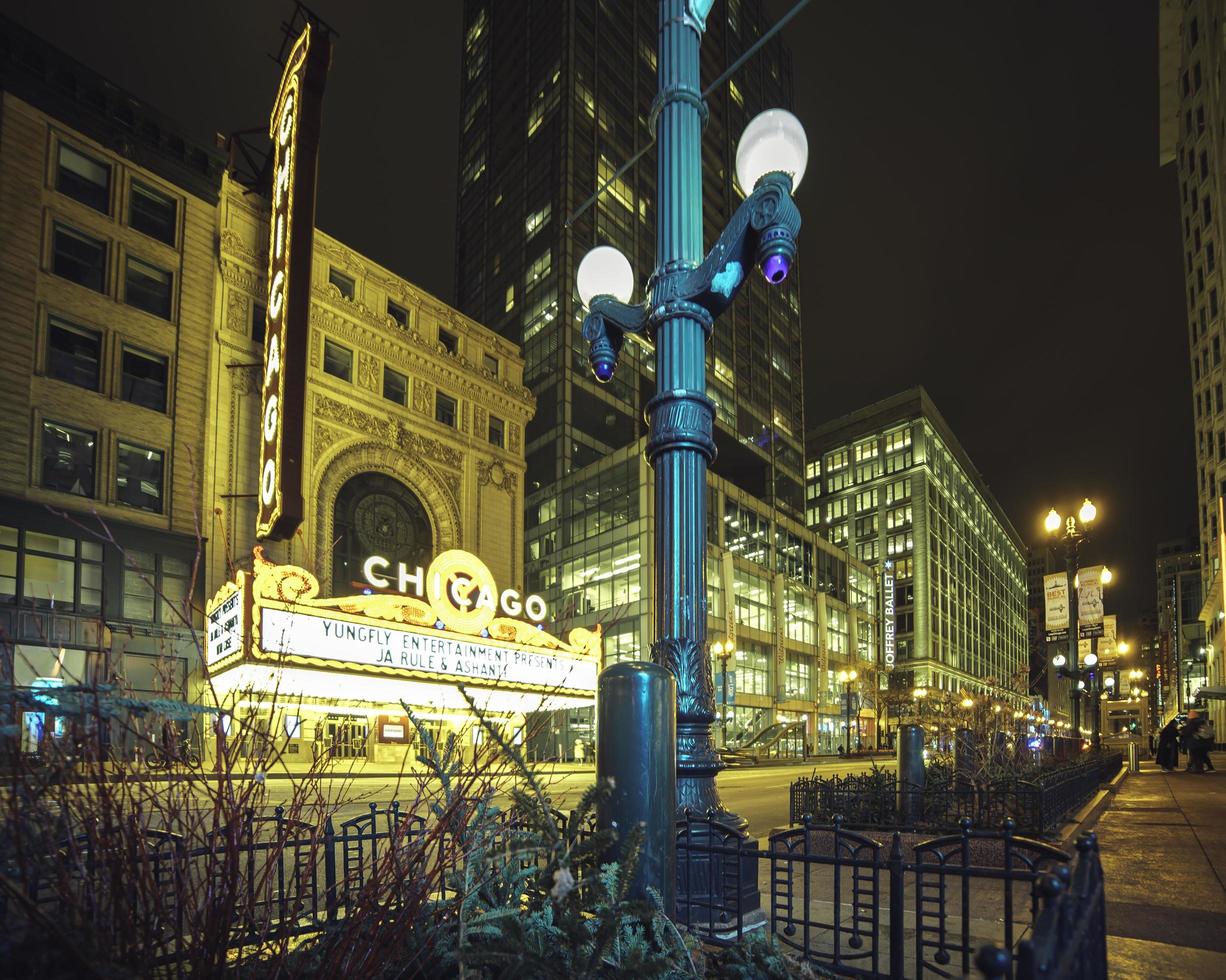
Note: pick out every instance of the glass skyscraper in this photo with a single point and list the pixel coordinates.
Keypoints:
(557, 96)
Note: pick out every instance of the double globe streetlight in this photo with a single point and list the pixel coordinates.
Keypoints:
(1073, 536)
(685, 294)
(847, 678)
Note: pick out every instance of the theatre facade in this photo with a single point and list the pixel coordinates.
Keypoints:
(403, 581)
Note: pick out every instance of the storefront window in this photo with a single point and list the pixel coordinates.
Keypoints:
(55, 571)
(156, 588)
(798, 677)
(752, 667)
(377, 515)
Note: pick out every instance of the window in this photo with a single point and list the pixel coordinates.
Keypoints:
(78, 257)
(259, 321)
(450, 342)
(54, 569)
(152, 213)
(376, 514)
(68, 459)
(497, 431)
(800, 615)
(83, 178)
(398, 313)
(144, 379)
(752, 667)
(536, 221)
(509, 305)
(395, 386)
(156, 588)
(866, 500)
(147, 288)
(139, 477)
(338, 361)
(444, 409)
(490, 363)
(341, 282)
(73, 353)
(754, 600)
(837, 637)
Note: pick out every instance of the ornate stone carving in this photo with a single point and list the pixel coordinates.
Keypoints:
(421, 396)
(480, 422)
(464, 413)
(233, 243)
(391, 431)
(325, 438)
(245, 379)
(404, 460)
(241, 278)
(314, 346)
(368, 371)
(237, 313)
(494, 474)
(513, 437)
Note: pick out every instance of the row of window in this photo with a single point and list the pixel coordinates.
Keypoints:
(83, 259)
(64, 572)
(69, 464)
(338, 362)
(449, 341)
(91, 181)
(74, 354)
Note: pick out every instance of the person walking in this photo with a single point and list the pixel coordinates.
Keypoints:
(1168, 747)
(1207, 738)
(1194, 742)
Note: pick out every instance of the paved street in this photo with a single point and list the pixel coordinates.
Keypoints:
(1163, 844)
(760, 794)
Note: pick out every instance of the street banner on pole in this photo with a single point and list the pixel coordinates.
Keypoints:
(1107, 642)
(1055, 595)
(1090, 601)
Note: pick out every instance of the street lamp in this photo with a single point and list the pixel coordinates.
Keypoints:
(847, 678)
(1074, 534)
(686, 293)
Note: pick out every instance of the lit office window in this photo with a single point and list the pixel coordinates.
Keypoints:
(139, 477)
(68, 457)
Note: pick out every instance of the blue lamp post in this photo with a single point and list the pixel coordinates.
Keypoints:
(685, 295)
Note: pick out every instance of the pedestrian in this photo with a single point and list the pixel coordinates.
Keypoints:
(840, 748)
(1168, 747)
(1207, 738)
(1194, 742)
(579, 751)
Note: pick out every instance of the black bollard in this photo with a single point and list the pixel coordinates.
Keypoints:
(910, 774)
(636, 748)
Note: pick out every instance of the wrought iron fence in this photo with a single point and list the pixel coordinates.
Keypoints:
(1069, 939)
(1036, 805)
(863, 907)
(285, 877)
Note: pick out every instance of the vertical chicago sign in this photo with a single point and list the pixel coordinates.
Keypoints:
(294, 129)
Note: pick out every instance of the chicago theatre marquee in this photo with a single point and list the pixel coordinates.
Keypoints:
(368, 440)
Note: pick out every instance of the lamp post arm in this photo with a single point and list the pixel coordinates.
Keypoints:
(764, 226)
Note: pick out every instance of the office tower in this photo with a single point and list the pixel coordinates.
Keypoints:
(891, 483)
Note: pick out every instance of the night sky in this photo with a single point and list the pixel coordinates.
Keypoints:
(984, 214)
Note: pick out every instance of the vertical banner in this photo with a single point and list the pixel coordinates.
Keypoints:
(1109, 640)
(1055, 601)
(888, 622)
(294, 130)
(1090, 601)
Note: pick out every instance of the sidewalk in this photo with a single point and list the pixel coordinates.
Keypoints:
(1163, 849)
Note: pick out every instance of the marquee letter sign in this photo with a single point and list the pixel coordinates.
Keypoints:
(294, 130)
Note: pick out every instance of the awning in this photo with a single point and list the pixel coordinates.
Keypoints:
(1211, 694)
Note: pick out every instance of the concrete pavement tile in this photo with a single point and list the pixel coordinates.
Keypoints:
(1137, 959)
(1193, 928)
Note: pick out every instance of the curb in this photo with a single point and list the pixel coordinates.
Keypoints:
(1088, 815)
